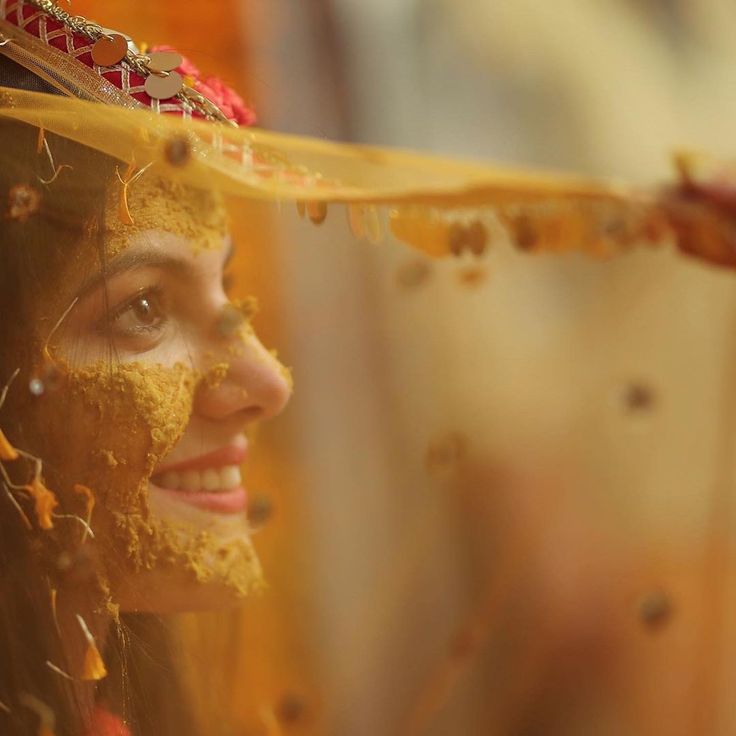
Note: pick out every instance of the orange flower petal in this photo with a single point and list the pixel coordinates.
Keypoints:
(88, 495)
(94, 667)
(7, 451)
(45, 502)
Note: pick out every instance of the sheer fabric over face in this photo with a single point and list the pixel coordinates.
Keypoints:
(161, 281)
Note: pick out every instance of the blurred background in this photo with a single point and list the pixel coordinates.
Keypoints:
(501, 502)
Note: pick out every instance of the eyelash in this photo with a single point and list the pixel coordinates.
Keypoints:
(153, 293)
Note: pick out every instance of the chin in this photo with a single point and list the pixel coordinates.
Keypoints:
(199, 559)
(157, 592)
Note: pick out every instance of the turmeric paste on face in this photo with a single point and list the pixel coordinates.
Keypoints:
(108, 424)
(156, 203)
(120, 421)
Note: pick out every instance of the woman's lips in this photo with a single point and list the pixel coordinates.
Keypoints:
(234, 501)
(211, 481)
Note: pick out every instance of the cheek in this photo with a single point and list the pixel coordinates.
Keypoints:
(106, 428)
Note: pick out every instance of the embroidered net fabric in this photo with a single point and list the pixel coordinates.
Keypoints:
(151, 264)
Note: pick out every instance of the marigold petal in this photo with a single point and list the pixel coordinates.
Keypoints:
(45, 502)
(7, 451)
(94, 667)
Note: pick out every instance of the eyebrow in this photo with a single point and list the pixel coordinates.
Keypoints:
(133, 259)
(128, 262)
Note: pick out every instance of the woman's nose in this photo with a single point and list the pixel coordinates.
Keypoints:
(249, 383)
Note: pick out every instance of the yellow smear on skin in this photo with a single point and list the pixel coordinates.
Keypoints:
(142, 410)
(162, 204)
(231, 562)
(216, 375)
(120, 420)
(109, 457)
(248, 307)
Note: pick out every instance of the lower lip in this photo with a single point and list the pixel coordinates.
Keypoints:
(233, 501)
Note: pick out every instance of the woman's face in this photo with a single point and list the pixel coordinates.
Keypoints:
(162, 380)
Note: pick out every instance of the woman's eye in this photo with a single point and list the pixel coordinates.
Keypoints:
(141, 315)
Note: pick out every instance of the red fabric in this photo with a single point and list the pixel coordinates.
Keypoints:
(33, 21)
(104, 723)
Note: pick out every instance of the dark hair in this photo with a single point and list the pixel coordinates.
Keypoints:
(43, 226)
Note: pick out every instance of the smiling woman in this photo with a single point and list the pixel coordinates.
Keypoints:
(125, 331)
(198, 387)
(461, 449)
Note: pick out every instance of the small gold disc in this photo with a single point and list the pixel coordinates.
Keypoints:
(317, 211)
(109, 50)
(162, 88)
(164, 61)
(477, 238)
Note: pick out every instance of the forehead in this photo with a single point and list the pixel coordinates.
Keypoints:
(150, 220)
(150, 202)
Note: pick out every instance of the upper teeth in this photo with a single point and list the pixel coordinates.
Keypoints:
(211, 479)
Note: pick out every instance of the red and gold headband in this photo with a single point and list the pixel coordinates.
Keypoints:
(82, 59)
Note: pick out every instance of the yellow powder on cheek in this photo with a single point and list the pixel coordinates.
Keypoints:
(142, 411)
(109, 457)
(119, 420)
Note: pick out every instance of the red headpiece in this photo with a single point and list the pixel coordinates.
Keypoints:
(80, 58)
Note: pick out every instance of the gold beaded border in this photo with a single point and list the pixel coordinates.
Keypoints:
(138, 62)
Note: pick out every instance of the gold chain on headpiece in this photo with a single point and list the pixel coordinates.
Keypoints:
(139, 62)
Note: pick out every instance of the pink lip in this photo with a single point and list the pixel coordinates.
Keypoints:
(228, 455)
(233, 501)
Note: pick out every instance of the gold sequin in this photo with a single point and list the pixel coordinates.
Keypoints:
(164, 61)
(446, 452)
(317, 211)
(373, 229)
(477, 238)
(178, 151)
(109, 50)
(473, 276)
(413, 273)
(163, 87)
(421, 229)
(356, 221)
